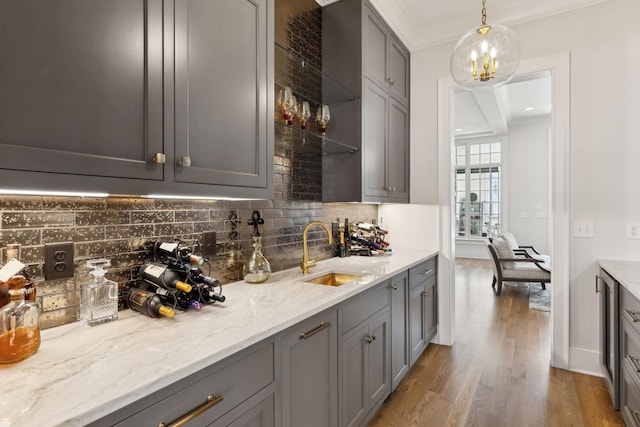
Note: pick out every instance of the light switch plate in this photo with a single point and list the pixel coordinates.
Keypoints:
(209, 243)
(633, 231)
(583, 229)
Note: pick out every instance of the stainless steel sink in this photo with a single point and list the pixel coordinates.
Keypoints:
(334, 279)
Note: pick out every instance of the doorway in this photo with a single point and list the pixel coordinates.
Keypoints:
(558, 68)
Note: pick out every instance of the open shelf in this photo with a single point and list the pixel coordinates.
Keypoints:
(301, 72)
(308, 141)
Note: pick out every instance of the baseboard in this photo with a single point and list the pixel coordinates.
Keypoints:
(584, 361)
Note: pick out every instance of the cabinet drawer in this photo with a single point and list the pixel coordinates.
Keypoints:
(630, 309)
(358, 310)
(422, 272)
(630, 400)
(234, 382)
(630, 349)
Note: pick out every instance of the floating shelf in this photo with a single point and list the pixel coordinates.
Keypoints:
(308, 141)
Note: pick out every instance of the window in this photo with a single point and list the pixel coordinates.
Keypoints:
(477, 189)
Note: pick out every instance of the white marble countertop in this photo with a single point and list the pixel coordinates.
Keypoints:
(82, 373)
(625, 272)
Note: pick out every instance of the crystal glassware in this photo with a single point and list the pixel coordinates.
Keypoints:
(322, 117)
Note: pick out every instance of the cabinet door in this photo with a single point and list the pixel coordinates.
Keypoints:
(309, 373)
(81, 86)
(378, 362)
(398, 152)
(260, 415)
(398, 78)
(430, 309)
(353, 377)
(374, 140)
(399, 328)
(221, 92)
(417, 332)
(374, 45)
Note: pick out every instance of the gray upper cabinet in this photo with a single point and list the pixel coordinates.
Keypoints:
(221, 92)
(362, 52)
(386, 59)
(81, 88)
(138, 96)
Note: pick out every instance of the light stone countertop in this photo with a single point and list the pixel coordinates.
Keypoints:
(82, 373)
(625, 272)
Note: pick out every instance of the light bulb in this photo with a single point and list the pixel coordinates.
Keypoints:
(484, 47)
(474, 55)
(492, 52)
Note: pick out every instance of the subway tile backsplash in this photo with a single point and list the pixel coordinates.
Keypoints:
(123, 230)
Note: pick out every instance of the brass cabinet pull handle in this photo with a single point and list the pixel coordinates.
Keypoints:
(633, 314)
(321, 326)
(597, 278)
(211, 401)
(427, 272)
(159, 158)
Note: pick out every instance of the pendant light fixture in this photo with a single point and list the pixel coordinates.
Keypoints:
(487, 56)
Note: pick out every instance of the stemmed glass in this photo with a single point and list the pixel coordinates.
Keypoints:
(322, 117)
(285, 100)
(305, 113)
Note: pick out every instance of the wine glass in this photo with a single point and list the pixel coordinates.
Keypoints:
(322, 117)
(305, 113)
(284, 103)
(293, 110)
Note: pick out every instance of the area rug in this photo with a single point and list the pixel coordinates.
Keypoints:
(539, 299)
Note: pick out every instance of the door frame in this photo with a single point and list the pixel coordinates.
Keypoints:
(559, 226)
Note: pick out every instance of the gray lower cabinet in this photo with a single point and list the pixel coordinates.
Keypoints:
(237, 390)
(364, 370)
(423, 315)
(138, 97)
(399, 286)
(629, 358)
(310, 372)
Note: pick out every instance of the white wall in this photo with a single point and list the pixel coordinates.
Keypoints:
(410, 226)
(527, 185)
(604, 44)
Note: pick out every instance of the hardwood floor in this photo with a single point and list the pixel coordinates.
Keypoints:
(497, 373)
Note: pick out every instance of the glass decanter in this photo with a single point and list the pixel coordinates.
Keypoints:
(234, 263)
(258, 269)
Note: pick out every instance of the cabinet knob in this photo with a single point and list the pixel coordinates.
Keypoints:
(368, 339)
(185, 161)
(373, 336)
(390, 81)
(159, 158)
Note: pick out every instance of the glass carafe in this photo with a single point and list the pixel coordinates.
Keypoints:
(257, 269)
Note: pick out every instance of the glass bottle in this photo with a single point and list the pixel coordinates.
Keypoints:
(19, 328)
(99, 297)
(147, 303)
(234, 264)
(258, 269)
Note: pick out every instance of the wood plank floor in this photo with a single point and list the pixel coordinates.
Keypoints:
(498, 371)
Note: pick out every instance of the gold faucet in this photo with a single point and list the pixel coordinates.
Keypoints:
(305, 251)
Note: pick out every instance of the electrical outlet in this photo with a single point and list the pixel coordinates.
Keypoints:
(58, 260)
(209, 243)
(633, 230)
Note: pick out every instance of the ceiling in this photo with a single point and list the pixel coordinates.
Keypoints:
(421, 24)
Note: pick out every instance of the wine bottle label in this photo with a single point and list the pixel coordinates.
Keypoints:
(154, 270)
(138, 298)
(169, 247)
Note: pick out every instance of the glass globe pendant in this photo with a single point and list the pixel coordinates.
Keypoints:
(487, 56)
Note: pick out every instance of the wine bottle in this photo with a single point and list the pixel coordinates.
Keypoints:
(160, 275)
(175, 299)
(175, 252)
(147, 303)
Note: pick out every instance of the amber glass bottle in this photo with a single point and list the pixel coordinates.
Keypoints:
(19, 328)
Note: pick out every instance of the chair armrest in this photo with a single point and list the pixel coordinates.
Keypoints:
(537, 262)
(530, 247)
